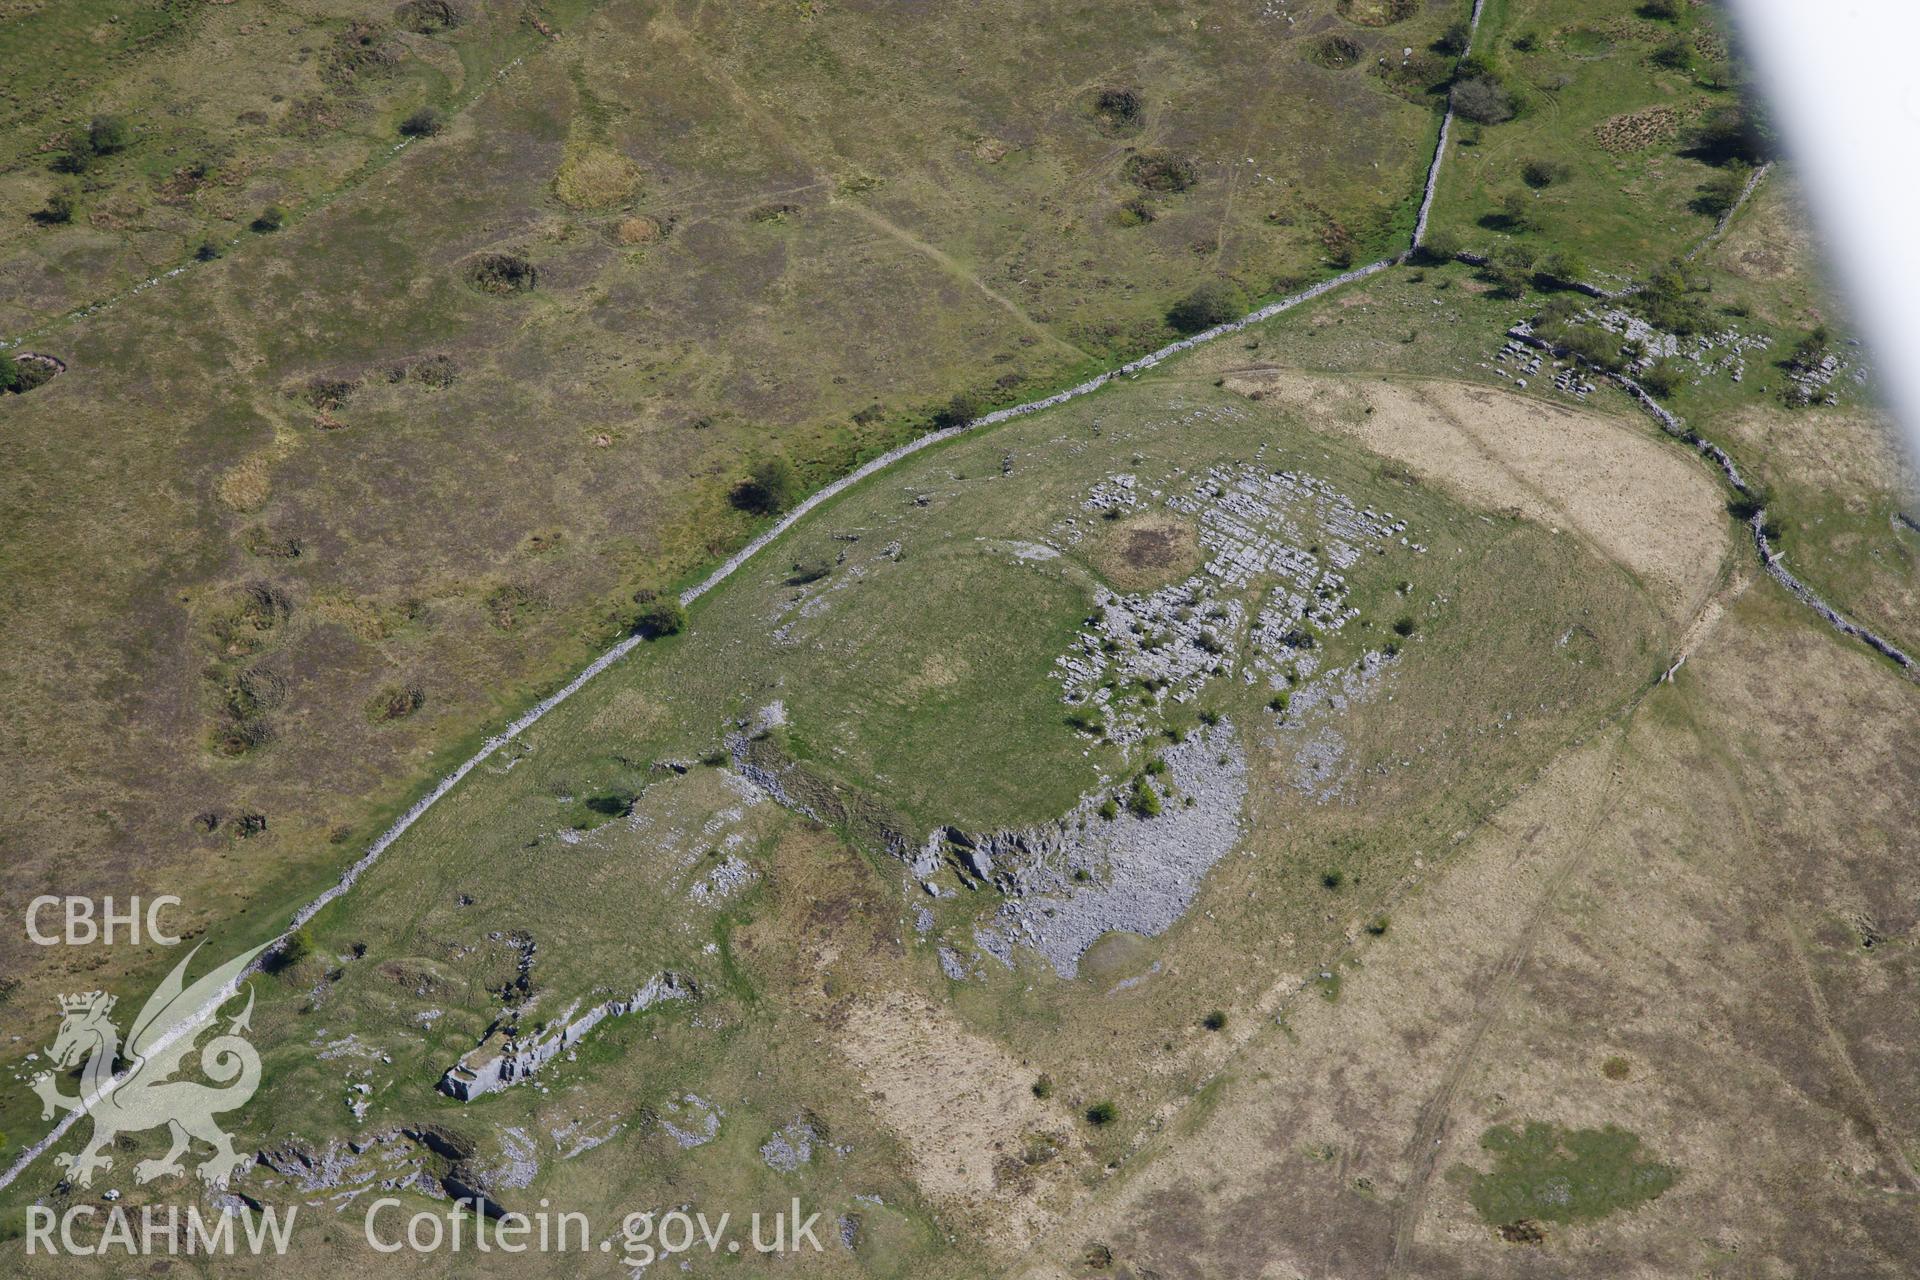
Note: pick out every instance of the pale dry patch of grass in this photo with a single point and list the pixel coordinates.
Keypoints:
(1640, 503)
(594, 176)
(963, 1107)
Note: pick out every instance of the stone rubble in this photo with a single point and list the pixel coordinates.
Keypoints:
(701, 1120)
(504, 1058)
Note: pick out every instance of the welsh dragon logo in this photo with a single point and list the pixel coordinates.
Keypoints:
(144, 1096)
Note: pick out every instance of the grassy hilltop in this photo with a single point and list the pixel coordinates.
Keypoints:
(1348, 799)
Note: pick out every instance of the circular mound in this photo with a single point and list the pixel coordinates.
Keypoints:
(1377, 13)
(27, 370)
(1119, 110)
(1160, 170)
(1335, 52)
(639, 229)
(595, 177)
(501, 273)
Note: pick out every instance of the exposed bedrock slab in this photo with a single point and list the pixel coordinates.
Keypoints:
(504, 1058)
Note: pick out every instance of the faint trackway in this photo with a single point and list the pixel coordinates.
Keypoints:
(946, 262)
(669, 32)
(1428, 1133)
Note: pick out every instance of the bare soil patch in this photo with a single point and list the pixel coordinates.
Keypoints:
(976, 1135)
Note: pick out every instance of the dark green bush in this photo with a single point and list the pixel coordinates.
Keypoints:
(658, 615)
(1207, 305)
(423, 123)
(770, 487)
(108, 134)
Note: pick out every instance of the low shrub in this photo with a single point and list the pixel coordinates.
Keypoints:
(770, 487)
(1207, 305)
(1160, 170)
(108, 134)
(1119, 109)
(502, 273)
(658, 616)
(423, 123)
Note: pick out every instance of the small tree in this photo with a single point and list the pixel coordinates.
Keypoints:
(1440, 244)
(1483, 100)
(1719, 193)
(108, 134)
(13, 378)
(1539, 173)
(1516, 211)
(1811, 351)
(770, 487)
(1674, 53)
(1145, 801)
(1560, 269)
(1207, 305)
(291, 952)
(271, 219)
(1102, 1113)
(658, 616)
(1455, 40)
(1661, 10)
(1660, 379)
(959, 411)
(1510, 267)
(1735, 134)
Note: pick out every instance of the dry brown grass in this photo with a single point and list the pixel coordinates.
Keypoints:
(1671, 898)
(639, 229)
(1637, 500)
